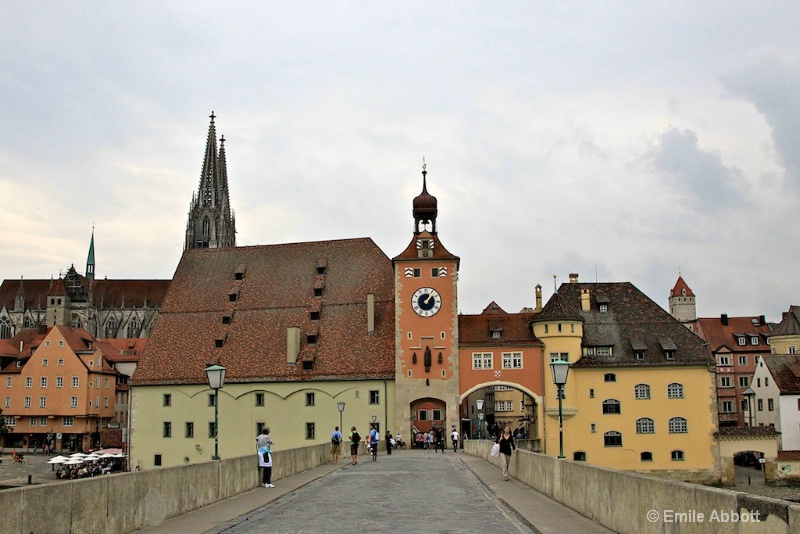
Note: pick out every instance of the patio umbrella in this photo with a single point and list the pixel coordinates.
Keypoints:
(106, 455)
(73, 461)
(91, 458)
(57, 460)
(77, 455)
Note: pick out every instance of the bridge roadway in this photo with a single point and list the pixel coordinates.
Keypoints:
(408, 491)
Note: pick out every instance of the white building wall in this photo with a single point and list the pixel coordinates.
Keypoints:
(790, 422)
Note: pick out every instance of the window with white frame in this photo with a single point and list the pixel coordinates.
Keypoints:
(611, 406)
(645, 425)
(481, 360)
(75, 381)
(512, 360)
(612, 439)
(725, 382)
(724, 360)
(61, 361)
(42, 402)
(727, 406)
(504, 406)
(10, 420)
(744, 381)
(33, 421)
(59, 381)
(8, 402)
(677, 456)
(28, 382)
(44, 362)
(556, 356)
(68, 420)
(73, 402)
(641, 391)
(741, 340)
(27, 402)
(678, 425)
(8, 382)
(43, 381)
(675, 391)
(743, 359)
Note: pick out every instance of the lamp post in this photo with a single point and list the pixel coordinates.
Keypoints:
(560, 370)
(216, 378)
(479, 405)
(340, 406)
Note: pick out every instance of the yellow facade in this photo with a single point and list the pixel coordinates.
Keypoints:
(289, 408)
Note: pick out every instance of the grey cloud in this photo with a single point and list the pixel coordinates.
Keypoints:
(696, 171)
(772, 85)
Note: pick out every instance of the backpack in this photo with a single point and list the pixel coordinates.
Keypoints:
(335, 440)
(356, 437)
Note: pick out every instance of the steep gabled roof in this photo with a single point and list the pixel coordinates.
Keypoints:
(559, 309)
(680, 287)
(631, 323)
(514, 328)
(785, 369)
(249, 314)
(790, 324)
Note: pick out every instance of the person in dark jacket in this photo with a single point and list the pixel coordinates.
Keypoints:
(507, 447)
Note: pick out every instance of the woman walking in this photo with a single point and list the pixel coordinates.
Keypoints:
(507, 447)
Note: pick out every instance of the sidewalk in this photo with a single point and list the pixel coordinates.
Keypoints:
(540, 513)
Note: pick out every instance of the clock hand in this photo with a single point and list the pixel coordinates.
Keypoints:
(428, 298)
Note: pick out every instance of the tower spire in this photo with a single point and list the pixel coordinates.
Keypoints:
(90, 258)
(210, 222)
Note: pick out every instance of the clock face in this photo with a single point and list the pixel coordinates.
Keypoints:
(426, 301)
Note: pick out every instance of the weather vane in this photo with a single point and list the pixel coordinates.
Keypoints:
(424, 165)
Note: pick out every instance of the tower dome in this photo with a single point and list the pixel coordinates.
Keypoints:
(424, 207)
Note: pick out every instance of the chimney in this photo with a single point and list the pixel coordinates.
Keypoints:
(762, 320)
(538, 297)
(370, 313)
(292, 344)
(573, 278)
(724, 319)
(586, 304)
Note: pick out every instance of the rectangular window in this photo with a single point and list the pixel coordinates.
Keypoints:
(744, 381)
(42, 402)
(211, 399)
(167, 399)
(157, 460)
(259, 399)
(512, 360)
(105, 383)
(73, 402)
(61, 361)
(481, 360)
(603, 351)
(724, 360)
(8, 381)
(8, 402)
(435, 272)
(167, 429)
(792, 349)
(67, 420)
(10, 420)
(75, 381)
(727, 406)
(27, 402)
(770, 405)
(43, 421)
(97, 402)
(212, 429)
(43, 381)
(417, 273)
(725, 382)
(28, 382)
(97, 382)
(309, 399)
(189, 430)
(591, 393)
(59, 381)
(422, 415)
(760, 405)
(437, 415)
(743, 360)
(44, 362)
(374, 396)
(310, 430)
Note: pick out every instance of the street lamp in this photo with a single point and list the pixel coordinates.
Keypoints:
(479, 405)
(749, 393)
(340, 406)
(560, 370)
(216, 378)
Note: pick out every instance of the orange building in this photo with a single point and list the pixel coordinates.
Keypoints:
(60, 390)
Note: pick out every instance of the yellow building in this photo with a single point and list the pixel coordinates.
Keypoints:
(640, 393)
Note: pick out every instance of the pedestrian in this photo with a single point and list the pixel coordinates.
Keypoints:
(441, 443)
(374, 438)
(355, 438)
(430, 441)
(336, 440)
(389, 442)
(454, 438)
(463, 439)
(264, 445)
(507, 447)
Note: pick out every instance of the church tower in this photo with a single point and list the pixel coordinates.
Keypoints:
(211, 221)
(90, 259)
(426, 326)
(682, 302)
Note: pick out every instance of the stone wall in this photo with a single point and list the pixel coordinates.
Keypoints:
(126, 502)
(628, 502)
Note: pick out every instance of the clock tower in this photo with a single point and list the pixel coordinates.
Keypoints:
(426, 326)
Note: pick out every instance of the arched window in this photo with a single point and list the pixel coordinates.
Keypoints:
(579, 456)
(133, 327)
(645, 425)
(612, 439)
(111, 327)
(678, 425)
(646, 456)
(206, 227)
(611, 406)
(677, 456)
(27, 322)
(675, 391)
(5, 328)
(641, 391)
(610, 377)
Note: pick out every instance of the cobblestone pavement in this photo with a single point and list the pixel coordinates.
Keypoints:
(13, 474)
(409, 492)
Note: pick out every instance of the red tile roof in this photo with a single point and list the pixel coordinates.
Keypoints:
(789, 456)
(275, 292)
(514, 328)
(107, 293)
(746, 431)
(118, 350)
(720, 335)
(679, 286)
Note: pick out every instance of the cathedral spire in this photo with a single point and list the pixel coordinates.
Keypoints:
(90, 259)
(211, 223)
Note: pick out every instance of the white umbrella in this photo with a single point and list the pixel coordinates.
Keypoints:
(120, 455)
(91, 458)
(77, 455)
(73, 461)
(57, 460)
(106, 455)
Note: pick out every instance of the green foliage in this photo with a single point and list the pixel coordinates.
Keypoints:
(3, 428)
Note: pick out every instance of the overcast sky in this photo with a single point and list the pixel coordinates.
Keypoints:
(624, 141)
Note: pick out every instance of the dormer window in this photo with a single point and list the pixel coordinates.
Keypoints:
(218, 343)
(232, 297)
(754, 340)
(311, 339)
(226, 319)
(669, 354)
(314, 315)
(496, 334)
(639, 355)
(322, 266)
(308, 365)
(669, 348)
(603, 308)
(238, 275)
(317, 291)
(740, 340)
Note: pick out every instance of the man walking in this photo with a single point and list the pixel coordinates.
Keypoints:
(454, 438)
(355, 438)
(336, 440)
